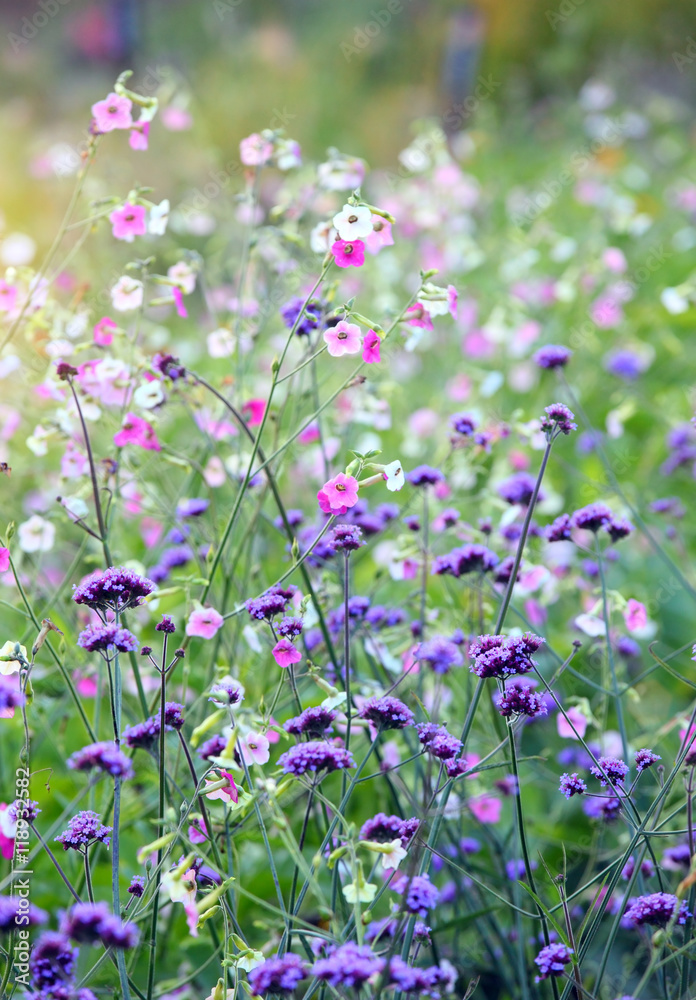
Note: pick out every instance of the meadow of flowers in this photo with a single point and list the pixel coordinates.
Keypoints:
(345, 565)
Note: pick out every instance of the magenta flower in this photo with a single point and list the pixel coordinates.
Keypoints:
(371, 346)
(344, 338)
(128, 221)
(136, 430)
(138, 138)
(228, 792)
(4, 560)
(452, 299)
(103, 331)
(348, 254)
(286, 653)
(8, 296)
(419, 316)
(340, 493)
(254, 410)
(204, 623)
(179, 302)
(112, 113)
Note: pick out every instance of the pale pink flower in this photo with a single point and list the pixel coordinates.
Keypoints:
(452, 300)
(8, 296)
(635, 615)
(344, 338)
(112, 113)
(228, 793)
(486, 808)
(183, 275)
(255, 151)
(221, 343)
(204, 623)
(151, 531)
(606, 312)
(379, 236)
(348, 254)
(577, 730)
(136, 430)
(614, 259)
(36, 535)
(128, 221)
(103, 335)
(127, 294)
(4, 560)
(338, 494)
(286, 653)
(73, 462)
(138, 138)
(176, 119)
(371, 348)
(254, 748)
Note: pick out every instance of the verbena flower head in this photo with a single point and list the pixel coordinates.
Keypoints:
(84, 829)
(618, 528)
(290, 627)
(310, 318)
(463, 423)
(106, 639)
(137, 886)
(465, 559)
(349, 966)
(519, 489)
(105, 756)
(26, 809)
(143, 735)
(270, 604)
(227, 691)
(645, 758)
(424, 475)
(52, 960)
(11, 907)
(278, 975)
(312, 722)
(560, 529)
(11, 696)
(440, 654)
(383, 828)
(552, 960)
(166, 625)
(503, 655)
(117, 589)
(572, 784)
(552, 356)
(346, 538)
(521, 699)
(419, 894)
(558, 420)
(592, 517)
(610, 771)
(315, 756)
(387, 713)
(656, 910)
(647, 868)
(438, 741)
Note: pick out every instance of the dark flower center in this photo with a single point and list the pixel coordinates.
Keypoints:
(348, 248)
(342, 335)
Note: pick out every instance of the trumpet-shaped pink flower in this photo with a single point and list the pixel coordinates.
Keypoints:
(381, 235)
(103, 331)
(254, 748)
(344, 338)
(138, 138)
(340, 493)
(128, 221)
(254, 151)
(204, 623)
(112, 113)
(228, 792)
(486, 808)
(371, 347)
(348, 254)
(136, 430)
(285, 652)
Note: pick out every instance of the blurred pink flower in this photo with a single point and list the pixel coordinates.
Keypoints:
(348, 254)
(381, 235)
(102, 331)
(254, 410)
(128, 221)
(138, 138)
(371, 348)
(254, 151)
(204, 623)
(136, 430)
(286, 653)
(179, 302)
(486, 808)
(8, 296)
(112, 113)
(635, 615)
(577, 730)
(4, 560)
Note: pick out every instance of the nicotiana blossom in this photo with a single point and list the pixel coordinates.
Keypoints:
(338, 494)
(353, 222)
(136, 430)
(127, 294)
(204, 623)
(285, 653)
(348, 253)
(371, 348)
(128, 221)
(394, 476)
(113, 112)
(36, 534)
(344, 338)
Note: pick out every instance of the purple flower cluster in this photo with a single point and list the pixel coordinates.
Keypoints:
(26, 809)
(424, 475)
(411, 979)
(89, 923)
(438, 742)
(610, 771)
(645, 758)
(440, 654)
(420, 895)
(656, 910)
(592, 517)
(270, 604)
(310, 318)
(647, 868)
(105, 756)
(315, 756)
(106, 638)
(312, 722)
(143, 735)
(290, 627)
(166, 625)
(10, 910)
(137, 886)
(349, 965)
(387, 713)
(503, 655)
(465, 559)
(52, 960)
(558, 420)
(572, 784)
(192, 507)
(346, 538)
(560, 529)
(383, 828)
(83, 829)
(521, 699)
(552, 356)
(552, 960)
(463, 423)
(519, 489)
(116, 589)
(10, 696)
(278, 975)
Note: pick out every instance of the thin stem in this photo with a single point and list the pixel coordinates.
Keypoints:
(56, 864)
(152, 958)
(610, 650)
(88, 877)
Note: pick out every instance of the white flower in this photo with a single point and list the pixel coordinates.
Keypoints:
(321, 237)
(127, 294)
(360, 891)
(673, 301)
(590, 625)
(250, 960)
(148, 395)
(287, 154)
(221, 343)
(8, 667)
(36, 535)
(9, 364)
(353, 223)
(434, 299)
(36, 443)
(184, 276)
(394, 474)
(395, 855)
(75, 507)
(159, 217)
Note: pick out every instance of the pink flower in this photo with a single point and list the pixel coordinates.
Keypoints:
(7, 831)
(86, 686)
(381, 235)
(635, 616)
(348, 254)
(254, 151)
(139, 136)
(204, 623)
(577, 730)
(254, 748)
(136, 430)
(228, 792)
(254, 410)
(112, 113)
(128, 221)
(198, 832)
(176, 119)
(151, 531)
(102, 331)
(344, 338)
(340, 493)
(452, 299)
(371, 346)
(285, 653)
(486, 808)
(8, 296)
(606, 312)
(179, 302)
(419, 316)
(309, 435)
(4, 560)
